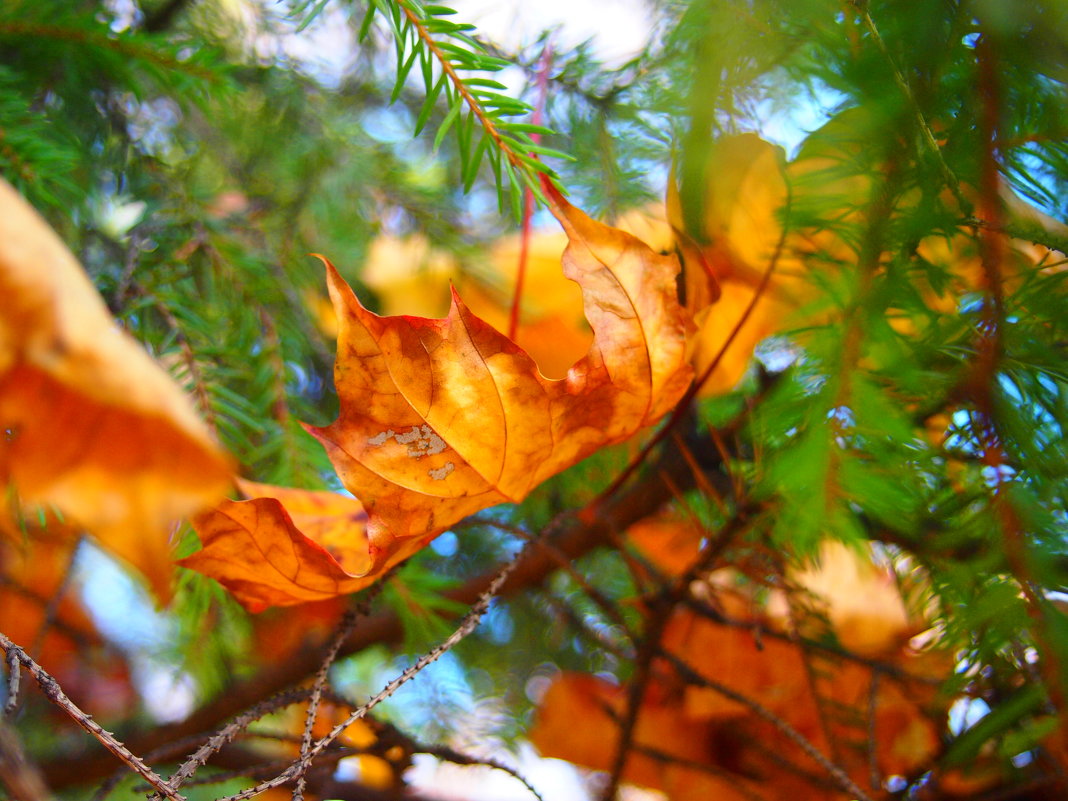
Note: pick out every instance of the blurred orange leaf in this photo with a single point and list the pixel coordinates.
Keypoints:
(711, 744)
(90, 423)
(863, 601)
(40, 609)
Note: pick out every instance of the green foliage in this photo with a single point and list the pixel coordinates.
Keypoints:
(447, 54)
(193, 167)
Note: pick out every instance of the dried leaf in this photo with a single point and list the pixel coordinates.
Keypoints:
(710, 739)
(410, 277)
(864, 603)
(442, 418)
(552, 326)
(90, 423)
(285, 546)
(578, 720)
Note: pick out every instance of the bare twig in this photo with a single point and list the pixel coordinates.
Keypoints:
(200, 757)
(343, 631)
(873, 703)
(649, 647)
(575, 538)
(595, 595)
(739, 783)
(14, 672)
(450, 755)
(467, 625)
(54, 693)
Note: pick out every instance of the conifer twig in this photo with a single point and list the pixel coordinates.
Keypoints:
(14, 672)
(54, 693)
(348, 620)
(926, 134)
(467, 625)
(228, 732)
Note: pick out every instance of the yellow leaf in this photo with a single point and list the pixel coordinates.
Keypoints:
(90, 424)
(864, 603)
(285, 546)
(408, 275)
(442, 418)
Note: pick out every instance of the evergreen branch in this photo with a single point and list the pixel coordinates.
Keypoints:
(926, 134)
(422, 35)
(32, 156)
(121, 45)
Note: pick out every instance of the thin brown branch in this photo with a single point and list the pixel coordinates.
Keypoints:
(992, 253)
(467, 625)
(762, 630)
(533, 566)
(874, 775)
(14, 673)
(661, 610)
(54, 693)
(565, 564)
(739, 783)
(227, 733)
(455, 757)
(344, 628)
(648, 648)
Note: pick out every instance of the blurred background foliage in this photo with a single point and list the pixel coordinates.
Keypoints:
(193, 154)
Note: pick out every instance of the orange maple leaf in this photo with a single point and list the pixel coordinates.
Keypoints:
(442, 418)
(287, 546)
(90, 424)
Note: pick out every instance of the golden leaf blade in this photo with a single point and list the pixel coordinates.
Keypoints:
(284, 547)
(91, 424)
(442, 418)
